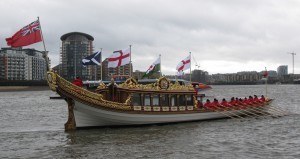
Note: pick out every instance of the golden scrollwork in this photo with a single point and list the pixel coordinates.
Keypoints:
(84, 95)
(195, 102)
(101, 86)
(162, 83)
(51, 79)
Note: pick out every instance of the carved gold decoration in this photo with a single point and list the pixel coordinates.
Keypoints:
(190, 108)
(85, 95)
(101, 86)
(156, 109)
(165, 109)
(51, 79)
(195, 102)
(174, 108)
(161, 84)
(182, 108)
(138, 108)
(147, 108)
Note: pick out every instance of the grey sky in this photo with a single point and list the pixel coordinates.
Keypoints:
(223, 36)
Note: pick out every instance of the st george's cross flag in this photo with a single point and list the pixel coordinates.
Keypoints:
(94, 59)
(119, 58)
(183, 65)
(155, 67)
(26, 36)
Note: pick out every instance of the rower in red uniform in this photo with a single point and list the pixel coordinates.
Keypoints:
(207, 104)
(245, 101)
(225, 103)
(262, 98)
(238, 102)
(255, 99)
(250, 100)
(78, 82)
(216, 103)
(232, 101)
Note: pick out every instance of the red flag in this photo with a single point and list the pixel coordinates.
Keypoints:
(27, 35)
(265, 74)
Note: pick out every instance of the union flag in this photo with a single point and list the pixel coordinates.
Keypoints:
(26, 36)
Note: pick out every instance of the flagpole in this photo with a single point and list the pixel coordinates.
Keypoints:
(46, 53)
(190, 67)
(101, 62)
(266, 83)
(160, 65)
(130, 61)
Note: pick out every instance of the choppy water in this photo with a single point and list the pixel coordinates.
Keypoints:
(32, 126)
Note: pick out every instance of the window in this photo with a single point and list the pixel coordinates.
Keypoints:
(174, 100)
(164, 100)
(189, 99)
(147, 100)
(136, 99)
(181, 100)
(155, 99)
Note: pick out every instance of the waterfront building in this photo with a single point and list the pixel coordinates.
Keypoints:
(76, 46)
(22, 64)
(108, 73)
(138, 74)
(200, 76)
(282, 70)
(245, 77)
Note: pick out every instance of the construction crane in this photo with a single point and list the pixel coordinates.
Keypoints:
(293, 54)
(197, 66)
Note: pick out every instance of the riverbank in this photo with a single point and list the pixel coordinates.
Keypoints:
(23, 88)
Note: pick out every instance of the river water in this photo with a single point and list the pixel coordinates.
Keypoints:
(32, 126)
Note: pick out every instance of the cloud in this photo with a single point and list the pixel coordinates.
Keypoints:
(223, 36)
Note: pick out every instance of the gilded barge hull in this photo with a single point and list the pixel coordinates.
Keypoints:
(115, 107)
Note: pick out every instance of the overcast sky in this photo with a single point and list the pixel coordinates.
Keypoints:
(224, 36)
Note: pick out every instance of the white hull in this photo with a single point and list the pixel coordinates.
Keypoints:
(87, 116)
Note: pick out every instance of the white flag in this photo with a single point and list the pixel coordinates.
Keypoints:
(184, 64)
(119, 58)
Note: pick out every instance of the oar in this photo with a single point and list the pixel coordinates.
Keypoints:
(229, 112)
(221, 112)
(236, 110)
(277, 111)
(261, 105)
(251, 111)
(256, 108)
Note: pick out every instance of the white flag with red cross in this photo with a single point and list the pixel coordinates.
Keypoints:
(184, 65)
(119, 58)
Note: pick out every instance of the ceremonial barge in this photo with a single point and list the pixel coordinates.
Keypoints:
(132, 103)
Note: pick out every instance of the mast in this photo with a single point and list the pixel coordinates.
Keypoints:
(190, 67)
(266, 83)
(160, 73)
(46, 53)
(101, 62)
(130, 62)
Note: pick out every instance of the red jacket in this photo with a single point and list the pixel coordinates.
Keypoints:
(78, 82)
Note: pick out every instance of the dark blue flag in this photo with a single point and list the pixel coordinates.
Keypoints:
(94, 59)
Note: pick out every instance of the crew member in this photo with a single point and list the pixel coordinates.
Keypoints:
(232, 101)
(262, 98)
(78, 82)
(207, 104)
(225, 103)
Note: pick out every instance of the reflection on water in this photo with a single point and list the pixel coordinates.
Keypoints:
(32, 127)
